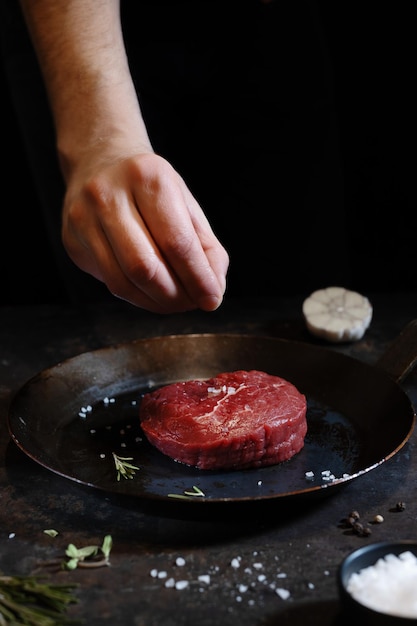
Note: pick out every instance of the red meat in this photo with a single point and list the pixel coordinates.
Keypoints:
(235, 420)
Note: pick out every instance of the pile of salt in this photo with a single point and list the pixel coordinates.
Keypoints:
(389, 586)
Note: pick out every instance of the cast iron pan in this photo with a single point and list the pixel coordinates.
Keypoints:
(72, 417)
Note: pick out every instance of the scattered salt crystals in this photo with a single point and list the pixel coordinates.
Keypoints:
(215, 391)
(102, 456)
(259, 483)
(107, 400)
(242, 588)
(327, 475)
(284, 594)
(311, 586)
(93, 431)
(12, 535)
(84, 410)
(389, 586)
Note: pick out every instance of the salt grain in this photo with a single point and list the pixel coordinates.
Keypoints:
(181, 584)
(204, 578)
(389, 586)
(284, 594)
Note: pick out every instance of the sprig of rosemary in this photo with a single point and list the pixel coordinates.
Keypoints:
(25, 600)
(186, 495)
(127, 470)
(89, 556)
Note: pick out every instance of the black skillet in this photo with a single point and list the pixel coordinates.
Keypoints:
(72, 417)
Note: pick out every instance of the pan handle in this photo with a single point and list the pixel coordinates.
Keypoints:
(401, 356)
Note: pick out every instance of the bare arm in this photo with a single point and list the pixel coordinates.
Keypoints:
(128, 217)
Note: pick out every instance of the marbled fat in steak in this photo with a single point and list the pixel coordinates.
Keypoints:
(235, 420)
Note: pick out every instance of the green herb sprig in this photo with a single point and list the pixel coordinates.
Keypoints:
(186, 495)
(25, 600)
(89, 556)
(127, 470)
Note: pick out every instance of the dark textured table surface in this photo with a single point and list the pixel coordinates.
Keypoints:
(296, 546)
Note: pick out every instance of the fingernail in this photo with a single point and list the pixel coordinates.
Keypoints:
(209, 303)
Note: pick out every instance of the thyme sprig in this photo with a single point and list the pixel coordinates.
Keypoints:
(26, 600)
(127, 470)
(186, 495)
(89, 556)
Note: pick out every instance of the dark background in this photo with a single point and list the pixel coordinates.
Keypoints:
(373, 55)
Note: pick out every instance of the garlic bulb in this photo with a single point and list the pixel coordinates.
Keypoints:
(337, 314)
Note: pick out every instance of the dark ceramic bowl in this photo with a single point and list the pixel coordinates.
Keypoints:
(357, 560)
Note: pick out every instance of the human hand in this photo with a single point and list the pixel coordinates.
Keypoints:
(134, 225)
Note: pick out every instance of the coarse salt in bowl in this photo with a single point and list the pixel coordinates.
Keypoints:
(378, 583)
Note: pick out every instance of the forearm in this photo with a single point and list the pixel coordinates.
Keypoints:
(81, 52)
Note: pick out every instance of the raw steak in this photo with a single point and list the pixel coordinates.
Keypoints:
(235, 420)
